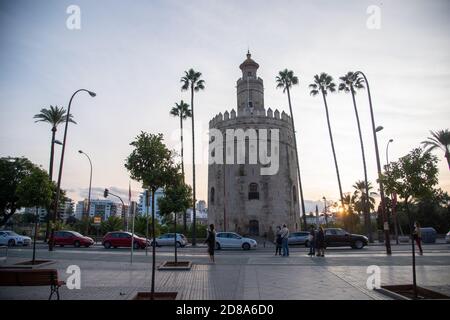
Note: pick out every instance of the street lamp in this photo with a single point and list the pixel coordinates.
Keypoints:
(387, 151)
(61, 163)
(58, 142)
(88, 211)
(383, 203)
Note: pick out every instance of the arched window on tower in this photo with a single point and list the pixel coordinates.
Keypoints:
(294, 194)
(211, 195)
(253, 192)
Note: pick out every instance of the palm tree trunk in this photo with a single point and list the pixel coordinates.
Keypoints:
(332, 147)
(182, 168)
(447, 155)
(50, 173)
(194, 242)
(302, 201)
(367, 220)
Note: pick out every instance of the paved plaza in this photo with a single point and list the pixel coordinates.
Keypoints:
(237, 275)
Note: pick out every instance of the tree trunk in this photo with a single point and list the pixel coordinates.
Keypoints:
(194, 242)
(36, 218)
(154, 245)
(302, 201)
(367, 220)
(175, 236)
(413, 247)
(332, 147)
(50, 173)
(182, 170)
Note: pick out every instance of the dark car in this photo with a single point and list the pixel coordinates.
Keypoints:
(71, 238)
(337, 237)
(123, 239)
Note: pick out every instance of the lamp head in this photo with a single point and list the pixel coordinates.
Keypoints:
(379, 128)
(92, 94)
(79, 151)
(392, 140)
(58, 142)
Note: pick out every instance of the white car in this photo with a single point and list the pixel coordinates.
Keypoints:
(10, 238)
(447, 237)
(234, 240)
(167, 239)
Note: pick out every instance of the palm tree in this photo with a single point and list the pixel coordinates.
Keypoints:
(440, 139)
(54, 116)
(182, 110)
(349, 84)
(192, 81)
(361, 198)
(324, 84)
(286, 80)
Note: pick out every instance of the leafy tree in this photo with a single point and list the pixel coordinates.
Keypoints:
(439, 140)
(12, 172)
(285, 80)
(151, 163)
(324, 84)
(177, 199)
(192, 81)
(113, 223)
(35, 190)
(182, 111)
(412, 177)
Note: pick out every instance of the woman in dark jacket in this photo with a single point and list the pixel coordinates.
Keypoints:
(211, 242)
(321, 242)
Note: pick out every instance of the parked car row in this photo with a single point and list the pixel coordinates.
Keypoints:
(334, 237)
(10, 238)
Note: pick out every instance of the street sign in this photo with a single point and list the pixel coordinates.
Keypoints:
(97, 220)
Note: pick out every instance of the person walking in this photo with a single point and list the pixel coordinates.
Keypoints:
(312, 241)
(278, 241)
(321, 242)
(284, 240)
(211, 242)
(417, 236)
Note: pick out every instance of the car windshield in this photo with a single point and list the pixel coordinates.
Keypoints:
(11, 233)
(76, 234)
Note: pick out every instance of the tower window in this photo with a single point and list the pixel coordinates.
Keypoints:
(211, 195)
(249, 74)
(253, 193)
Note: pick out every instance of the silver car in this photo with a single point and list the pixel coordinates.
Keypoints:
(167, 239)
(300, 237)
(447, 237)
(234, 240)
(10, 238)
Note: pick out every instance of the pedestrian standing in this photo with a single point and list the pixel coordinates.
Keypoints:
(278, 241)
(312, 241)
(284, 240)
(417, 236)
(211, 242)
(321, 242)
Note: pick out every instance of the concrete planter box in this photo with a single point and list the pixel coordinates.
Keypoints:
(156, 296)
(180, 265)
(406, 292)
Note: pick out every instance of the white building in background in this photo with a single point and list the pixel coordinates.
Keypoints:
(65, 210)
(103, 208)
(142, 205)
(201, 213)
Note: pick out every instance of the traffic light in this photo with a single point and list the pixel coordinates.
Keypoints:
(105, 193)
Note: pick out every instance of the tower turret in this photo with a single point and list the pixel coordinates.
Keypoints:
(250, 88)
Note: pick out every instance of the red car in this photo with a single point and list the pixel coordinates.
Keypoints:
(71, 238)
(123, 239)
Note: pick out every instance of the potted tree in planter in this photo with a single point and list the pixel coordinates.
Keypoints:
(152, 163)
(177, 199)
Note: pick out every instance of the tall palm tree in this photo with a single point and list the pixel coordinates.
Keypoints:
(183, 111)
(361, 199)
(323, 84)
(350, 83)
(192, 80)
(285, 80)
(439, 139)
(54, 116)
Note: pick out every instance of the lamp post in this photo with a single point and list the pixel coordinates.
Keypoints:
(325, 210)
(61, 163)
(387, 151)
(383, 203)
(88, 211)
(393, 203)
(50, 173)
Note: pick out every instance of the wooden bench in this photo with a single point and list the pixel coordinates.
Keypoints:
(30, 277)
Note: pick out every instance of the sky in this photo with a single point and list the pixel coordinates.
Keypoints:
(133, 54)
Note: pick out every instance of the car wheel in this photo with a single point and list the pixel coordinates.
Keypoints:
(61, 245)
(178, 244)
(76, 244)
(136, 245)
(246, 246)
(307, 243)
(218, 246)
(358, 244)
(107, 245)
(11, 243)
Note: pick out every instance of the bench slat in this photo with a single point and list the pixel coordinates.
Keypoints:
(39, 277)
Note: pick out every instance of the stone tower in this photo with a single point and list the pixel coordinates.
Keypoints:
(240, 197)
